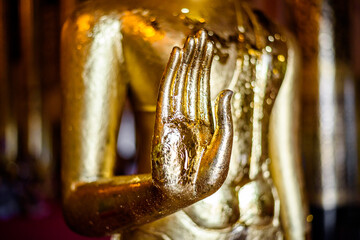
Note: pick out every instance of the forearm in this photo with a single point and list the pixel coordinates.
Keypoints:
(112, 205)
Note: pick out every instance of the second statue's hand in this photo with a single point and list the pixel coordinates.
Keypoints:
(190, 157)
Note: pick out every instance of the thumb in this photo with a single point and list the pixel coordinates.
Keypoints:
(214, 164)
(223, 110)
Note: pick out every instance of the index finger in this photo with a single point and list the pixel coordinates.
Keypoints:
(163, 109)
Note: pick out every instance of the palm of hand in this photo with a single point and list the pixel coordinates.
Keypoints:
(182, 144)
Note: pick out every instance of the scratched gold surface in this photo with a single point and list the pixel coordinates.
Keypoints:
(206, 170)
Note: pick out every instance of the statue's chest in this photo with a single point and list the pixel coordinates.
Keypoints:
(147, 43)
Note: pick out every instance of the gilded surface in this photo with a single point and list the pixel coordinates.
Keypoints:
(210, 176)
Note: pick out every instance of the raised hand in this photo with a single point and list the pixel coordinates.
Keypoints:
(190, 158)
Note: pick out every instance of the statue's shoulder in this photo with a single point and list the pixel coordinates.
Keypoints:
(91, 13)
(101, 8)
(128, 16)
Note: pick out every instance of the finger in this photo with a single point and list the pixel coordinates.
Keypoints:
(193, 78)
(214, 165)
(164, 99)
(205, 113)
(223, 110)
(179, 85)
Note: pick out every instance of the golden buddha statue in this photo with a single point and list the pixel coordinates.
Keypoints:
(199, 176)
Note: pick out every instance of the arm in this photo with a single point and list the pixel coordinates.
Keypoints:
(284, 150)
(97, 203)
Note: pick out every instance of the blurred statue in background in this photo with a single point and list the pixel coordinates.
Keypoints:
(231, 175)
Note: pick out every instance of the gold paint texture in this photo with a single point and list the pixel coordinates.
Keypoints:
(209, 150)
